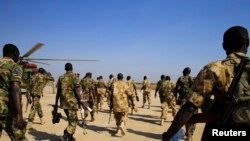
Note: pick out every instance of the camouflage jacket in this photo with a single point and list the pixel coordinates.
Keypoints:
(68, 82)
(101, 87)
(9, 71)
(120, 96)
(146, 85)
(214, 80)
(132, 87)
(158, 85)
(166, 88)
(184, 85)
(88, 88)
(38, 82)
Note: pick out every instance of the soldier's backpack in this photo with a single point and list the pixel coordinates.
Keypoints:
(235, 108)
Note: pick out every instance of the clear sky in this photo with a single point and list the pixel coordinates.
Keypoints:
(134, 37)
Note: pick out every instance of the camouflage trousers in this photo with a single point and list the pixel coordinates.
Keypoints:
(100, 101)
(168, 102)
(35, 108)
(131, 102)
(72, 120)
(120, 117)
(8, 125)
(146, 97)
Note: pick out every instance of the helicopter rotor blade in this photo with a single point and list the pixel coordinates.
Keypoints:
(38, 62)
(33, 49)
(51, 59)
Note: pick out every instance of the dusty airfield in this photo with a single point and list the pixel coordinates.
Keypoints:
(141, 126)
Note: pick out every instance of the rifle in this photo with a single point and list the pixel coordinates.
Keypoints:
(137, 97)
(229, 102)
(55, 115)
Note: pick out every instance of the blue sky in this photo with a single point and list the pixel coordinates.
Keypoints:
(134, 37)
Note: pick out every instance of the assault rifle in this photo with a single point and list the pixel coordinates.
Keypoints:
(229, 102)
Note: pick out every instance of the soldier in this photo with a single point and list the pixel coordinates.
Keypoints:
(109, 84)
(146, 87)
(213, 81)
(167, 98)
(131, 99)
(89, 93)
(68, 91)
(183, 88)
(120, 93)
(158, 86)
(101, 90)
(11, 115)
(38, 82)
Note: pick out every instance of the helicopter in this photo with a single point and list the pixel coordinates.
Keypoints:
(29, 65)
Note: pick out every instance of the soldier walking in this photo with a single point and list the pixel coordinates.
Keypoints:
(167, 98)
(89, 93)
(69, 93)
(101, 91)
(119, 98)
(131, 99)
(146, 87)
(38, 82)
(11, 115)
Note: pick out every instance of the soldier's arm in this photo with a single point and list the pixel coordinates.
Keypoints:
(15, 96)
(182, 117)
(59, 91)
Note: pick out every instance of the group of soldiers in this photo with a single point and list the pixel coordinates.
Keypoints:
(88, 95)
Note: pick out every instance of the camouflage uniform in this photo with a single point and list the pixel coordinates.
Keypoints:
(68, 100)
(88, 87)
(132, 98)
(101, 91)
(167, 98)
(184, 86)
(205, 85)
(9, 71)
(146, 86)
(38, 82)
(121, 92)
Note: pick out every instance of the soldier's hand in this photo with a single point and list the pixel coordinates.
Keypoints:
(164, 137)
(20, 123)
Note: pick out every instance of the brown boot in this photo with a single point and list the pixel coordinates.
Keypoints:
(92, 119)
(42, 121)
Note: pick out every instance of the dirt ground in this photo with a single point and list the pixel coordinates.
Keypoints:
(141, 126)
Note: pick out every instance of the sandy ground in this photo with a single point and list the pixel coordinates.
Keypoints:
(141, 126)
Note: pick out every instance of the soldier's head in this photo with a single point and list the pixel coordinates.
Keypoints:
(100, 77)
(111, 76)
(68, 67)
(119, 76)
(89, 74)
(144, 77)
(168, 77)
(236, 39)
(42, 70)
(10, 50)
(162, 77)
(186, 71)
(128, 77)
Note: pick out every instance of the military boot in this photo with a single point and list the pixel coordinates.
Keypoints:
(66, 136)
(92, 119)
(122, 128)
(149, 106)
(143, 106)
(42, 121)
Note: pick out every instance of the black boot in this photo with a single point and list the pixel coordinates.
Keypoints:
(66, 136)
